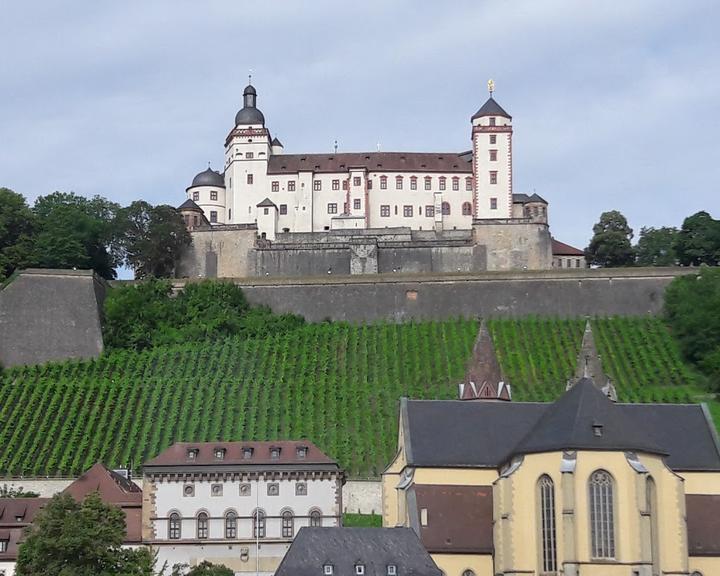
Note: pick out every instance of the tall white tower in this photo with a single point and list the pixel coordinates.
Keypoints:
(247, 150)
(492, 160)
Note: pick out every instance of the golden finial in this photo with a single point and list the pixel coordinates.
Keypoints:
(491, 86)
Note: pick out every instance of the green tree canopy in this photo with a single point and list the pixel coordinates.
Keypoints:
(72, 539)
(152, 238)
(610, 245)
(205, 568)
(692, 308)
(698, 241)
(12, 492)
(656, 247)
(17, 228)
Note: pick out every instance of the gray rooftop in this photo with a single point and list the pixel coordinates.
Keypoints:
(491, 108)
(344, 548)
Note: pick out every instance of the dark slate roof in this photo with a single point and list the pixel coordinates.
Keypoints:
(521, 198)
(249, 115)
(189, 205)
(372, 161)
(562, 249)
(267, 202)
(48, 314)
(249, 89)
(276, 142)
(344, 548)
(209, 178)
(491, 108)
(453, 433)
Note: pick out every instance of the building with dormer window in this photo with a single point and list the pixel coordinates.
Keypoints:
(237, 503)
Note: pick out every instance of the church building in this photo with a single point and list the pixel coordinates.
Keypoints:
(583, 486)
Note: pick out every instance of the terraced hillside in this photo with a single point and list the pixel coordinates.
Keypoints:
(334, 383)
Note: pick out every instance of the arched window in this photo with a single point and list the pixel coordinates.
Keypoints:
(446, 209)
(231, 525)
(315, 518)
(202, 525)
(602, 515)
(174, 526)
(288, 524)
(258, 524)
(468, 573)
(467, 209)
(546, 498)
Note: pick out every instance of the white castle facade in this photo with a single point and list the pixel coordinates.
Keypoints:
(321, 192)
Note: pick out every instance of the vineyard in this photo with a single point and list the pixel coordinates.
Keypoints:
(334, 383)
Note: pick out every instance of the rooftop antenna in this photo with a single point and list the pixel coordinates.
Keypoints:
(336, 146)
(491, 87)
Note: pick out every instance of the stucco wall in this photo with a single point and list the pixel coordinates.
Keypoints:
(222, 253)
(362, 497)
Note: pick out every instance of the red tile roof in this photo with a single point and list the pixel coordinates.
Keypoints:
(373, 161)
(15, 515)
(562, 249)
(178, 454)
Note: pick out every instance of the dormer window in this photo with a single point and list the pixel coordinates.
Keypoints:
(247, 452)
(328, 569)
(301, 452)
(274, 453)
(192, 454)
(597, 429)
(219, 453)
(391, 570)
(359, 569)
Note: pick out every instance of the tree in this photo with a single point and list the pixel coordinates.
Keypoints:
(76, 232)
(698, 241)
(17, 228)
(205, 568)
(656, 247)
(72, 539)
(692, 308)
(610, 245)
(152, 238)
(12, 492)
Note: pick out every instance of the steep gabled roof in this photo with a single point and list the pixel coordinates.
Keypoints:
(562, 249)
(491, 108)
(189, 205)
(267, 203)
(111, 486)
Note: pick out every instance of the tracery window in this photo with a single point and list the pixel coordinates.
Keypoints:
(602, 515)
(202, 526)
(174, 526)
(546, 494)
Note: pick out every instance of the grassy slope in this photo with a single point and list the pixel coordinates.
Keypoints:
(335, 384)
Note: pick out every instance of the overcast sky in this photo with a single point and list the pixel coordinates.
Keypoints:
(615, 104)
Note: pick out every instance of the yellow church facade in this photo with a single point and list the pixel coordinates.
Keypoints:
(584, 486)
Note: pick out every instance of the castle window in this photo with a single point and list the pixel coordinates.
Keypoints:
(258, 518)
(456, 183)
(356, 204)
(283, 209)
(231, 525)
(249, 178)
(493, 138)
(249, 155)
(468, 184)
(467, 209)
(219, 453)
(275, 186)
(383, 182)
(288, 524)
(336, 184)
(202, 526)
(407, 211)
(247, 452)
(493, 177)
(369, 184)
(192, 453)
(328, 569)
(493, 155)
(413, 182)
(291, 185)
(391, 570)
(359, 569)
(428, 182)
(3, 548)
(445, 209)
(213, 195)
(174, 526)
(546, 498)
(213, 216)
(315, 518)
(602, 515)
(385, 210)
(356, 180)
(332, 208)
(398, 182)
(346, 184)
(430, 211)
(317, 185)
(493, 203)
(230, 214)
(196, 196)
(442, 182)
(492, 121)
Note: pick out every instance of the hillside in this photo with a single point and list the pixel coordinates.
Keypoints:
(334, 383)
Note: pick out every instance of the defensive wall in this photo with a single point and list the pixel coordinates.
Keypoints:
(398, 297)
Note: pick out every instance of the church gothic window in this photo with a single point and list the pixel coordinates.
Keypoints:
(546, 494)
(602, 515)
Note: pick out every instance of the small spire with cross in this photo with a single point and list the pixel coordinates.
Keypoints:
(491, 86)
(336, 146)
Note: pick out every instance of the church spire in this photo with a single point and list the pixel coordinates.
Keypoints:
(588, 365)
(483, 377)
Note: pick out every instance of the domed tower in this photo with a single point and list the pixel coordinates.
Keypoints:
(492, 160)
(208, 192)
(247, 150)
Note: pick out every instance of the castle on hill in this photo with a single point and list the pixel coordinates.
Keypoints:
(430, 199)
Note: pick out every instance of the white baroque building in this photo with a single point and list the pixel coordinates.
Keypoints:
(282, 192)
(237, 503)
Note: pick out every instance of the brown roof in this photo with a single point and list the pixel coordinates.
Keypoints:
(15, 515)
(562, 249)
(460, 518)
(483, 376)
(703, 523)
(178, 454)
(373, 161)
